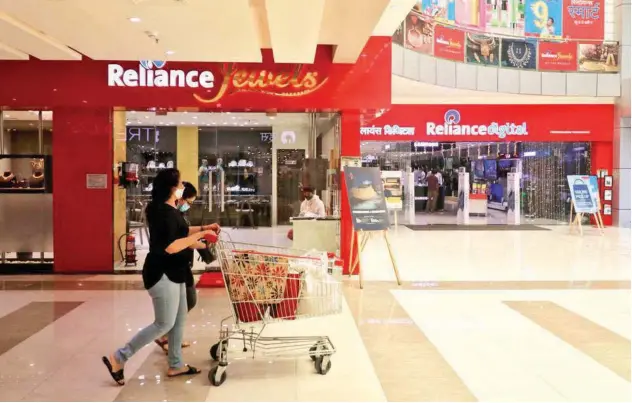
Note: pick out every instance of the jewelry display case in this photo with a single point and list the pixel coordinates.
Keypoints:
(26, 211)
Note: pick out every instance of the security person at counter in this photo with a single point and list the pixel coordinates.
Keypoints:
(311, 206)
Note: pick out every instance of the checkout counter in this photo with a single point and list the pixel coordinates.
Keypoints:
(316, 233)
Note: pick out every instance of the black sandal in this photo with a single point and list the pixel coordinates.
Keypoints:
(118, 376)
(190, 371)
(162, 344)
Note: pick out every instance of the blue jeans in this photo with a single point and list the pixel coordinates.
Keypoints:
(170, 311)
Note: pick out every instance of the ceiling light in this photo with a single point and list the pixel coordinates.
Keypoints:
(134, 19)
(181, 123)
(169, 52)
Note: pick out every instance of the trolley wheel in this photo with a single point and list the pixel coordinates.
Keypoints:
(215, 351)
(215, 378)
(322, 364)
(312, 352)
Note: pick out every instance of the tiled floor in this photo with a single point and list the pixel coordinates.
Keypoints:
(481, 316)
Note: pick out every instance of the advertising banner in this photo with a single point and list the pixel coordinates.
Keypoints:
(366, 199)
(449, 43)
(440, 10)
(582, 194)
(600, 57)
(392, 182)
(482, 49)
(418, 32)
(518, 54)
(543, 18)
(557, 56)
(583, 19)
(594, 191)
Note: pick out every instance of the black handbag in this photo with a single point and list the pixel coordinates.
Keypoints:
(207, 255)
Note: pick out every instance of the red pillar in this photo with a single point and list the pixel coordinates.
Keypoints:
(601, 158)
(349, 147)
(82, 217)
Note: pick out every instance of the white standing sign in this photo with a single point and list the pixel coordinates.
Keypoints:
(513, 198)
(463, 212)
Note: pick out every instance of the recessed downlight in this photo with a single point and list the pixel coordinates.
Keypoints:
(134, 19)
(170, 52)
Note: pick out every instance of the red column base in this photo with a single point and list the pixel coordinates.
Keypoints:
(211, 279)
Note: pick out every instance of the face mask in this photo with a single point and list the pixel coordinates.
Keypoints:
(179, 193)
(184, 207)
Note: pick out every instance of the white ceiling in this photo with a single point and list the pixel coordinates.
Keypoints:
(193, 30)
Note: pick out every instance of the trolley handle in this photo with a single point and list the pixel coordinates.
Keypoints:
(253, 252)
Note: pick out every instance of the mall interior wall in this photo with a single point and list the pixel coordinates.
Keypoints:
(622, 142)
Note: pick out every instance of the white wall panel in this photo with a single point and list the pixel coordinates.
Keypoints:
(553, 83)
(530, 82)
(509, 81)
(427, 69)
(411, 64)
(581, 84)
(466, 76)
(608, 85)
(487, 79)
(397, 60)
(446, 73)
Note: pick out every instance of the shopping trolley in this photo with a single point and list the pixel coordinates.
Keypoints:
(268, 284)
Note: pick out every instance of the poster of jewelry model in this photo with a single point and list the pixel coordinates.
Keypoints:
(518, 54)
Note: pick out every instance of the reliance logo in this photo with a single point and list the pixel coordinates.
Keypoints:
(451, 127)
(150, 73)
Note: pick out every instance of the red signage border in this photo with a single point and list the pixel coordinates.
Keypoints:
(491, 123)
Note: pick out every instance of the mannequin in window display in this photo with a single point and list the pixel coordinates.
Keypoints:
(203, 175)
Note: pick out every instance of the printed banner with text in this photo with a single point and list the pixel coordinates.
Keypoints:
(583, 19)
(557, 56)
(449, 43)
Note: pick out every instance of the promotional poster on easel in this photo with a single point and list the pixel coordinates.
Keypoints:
(585, 200)
(393, 192)
(369, 213)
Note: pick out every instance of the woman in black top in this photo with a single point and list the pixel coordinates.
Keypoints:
(164, 275)
(184, 204)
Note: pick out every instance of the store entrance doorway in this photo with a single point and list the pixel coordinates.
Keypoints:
(545, 197)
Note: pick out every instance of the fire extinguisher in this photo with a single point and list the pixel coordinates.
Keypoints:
(129, 257)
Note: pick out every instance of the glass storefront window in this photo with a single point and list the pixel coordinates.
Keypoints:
(25, 189)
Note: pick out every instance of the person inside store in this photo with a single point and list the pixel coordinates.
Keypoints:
(164, 276)
(184, 205)
(433, 191)
(311, 207)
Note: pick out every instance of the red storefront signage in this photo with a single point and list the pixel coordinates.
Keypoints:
(583, 19)
(491, 123)
(226, 86)
(449, 43)
(557, 56)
